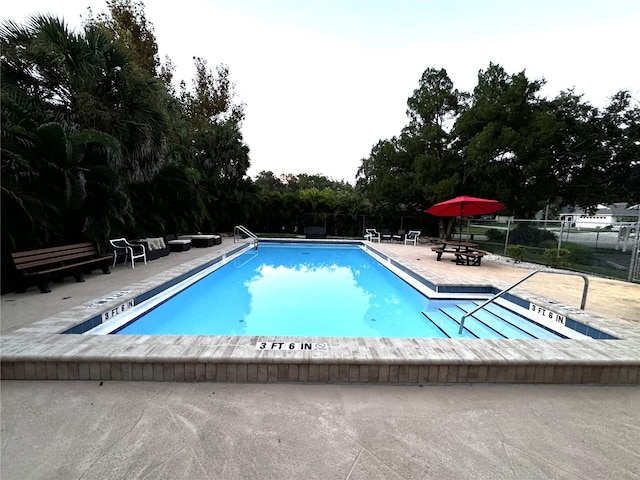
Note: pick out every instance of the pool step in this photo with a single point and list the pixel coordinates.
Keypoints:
(493, 321)
(475, 325)
(502, 322)
(447, 325)
(516, 326)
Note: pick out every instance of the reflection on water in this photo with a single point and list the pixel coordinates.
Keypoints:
(303, 298)
(298, 291)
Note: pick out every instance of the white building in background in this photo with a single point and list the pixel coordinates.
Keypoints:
(612, 216)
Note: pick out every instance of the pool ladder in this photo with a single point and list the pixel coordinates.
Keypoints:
(239, 229)
(499, 294)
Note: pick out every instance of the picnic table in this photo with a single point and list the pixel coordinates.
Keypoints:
(466, 253)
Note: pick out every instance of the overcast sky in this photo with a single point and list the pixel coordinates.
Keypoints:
(324, 80)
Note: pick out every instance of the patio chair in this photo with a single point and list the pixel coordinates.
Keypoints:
(155, 247)
(386, 235)
(132, 251)
(412, 237)
(200, 240)
(372, 235)
(176, 244)
(399, 237)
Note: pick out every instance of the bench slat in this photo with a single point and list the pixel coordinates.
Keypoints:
(68, 267)
(46, 251)
(462, 256)
(43, 261)
(35, 255)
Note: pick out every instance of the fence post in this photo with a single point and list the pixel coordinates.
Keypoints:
(560, 237)
(634, 264)
(506, 238)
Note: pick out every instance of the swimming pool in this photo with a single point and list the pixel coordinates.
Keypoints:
(317, 290)
(57, 347)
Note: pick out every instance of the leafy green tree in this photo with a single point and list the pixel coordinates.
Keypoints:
(598, 150)
(53, 93)
(579, 149)
(172, 202)
(433, 110)
(229, 202)
(504, 141)
(268, 182)
(407, 173)
(95, 143)
(203, 141)
(387, 176)
(130, 28)
(214, 120)
(421, 162)
(621, 121)
(84, 81)
(506, 136)
(320, 182)
(213, 96)
(291, 202)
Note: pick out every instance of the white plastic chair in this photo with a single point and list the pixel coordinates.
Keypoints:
(372, 235)
(132, 251)
(412, 237)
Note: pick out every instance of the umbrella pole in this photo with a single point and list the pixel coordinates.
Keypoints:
(461, 215)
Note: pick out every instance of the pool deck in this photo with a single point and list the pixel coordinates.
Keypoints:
(229, 430)
(33, 347)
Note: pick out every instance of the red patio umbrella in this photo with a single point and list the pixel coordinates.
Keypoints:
(464, 207)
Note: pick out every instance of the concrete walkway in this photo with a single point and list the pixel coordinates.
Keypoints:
(143, 430)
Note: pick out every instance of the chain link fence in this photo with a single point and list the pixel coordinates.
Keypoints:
(610, 252)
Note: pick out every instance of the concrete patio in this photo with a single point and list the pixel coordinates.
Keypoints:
(90, 430)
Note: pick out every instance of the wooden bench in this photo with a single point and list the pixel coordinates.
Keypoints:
(39, 267)
(470, 258)
(439, 251)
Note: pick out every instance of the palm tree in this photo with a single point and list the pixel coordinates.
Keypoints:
(80, 121)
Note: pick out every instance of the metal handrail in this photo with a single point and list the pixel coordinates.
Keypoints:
(238, 263)
(240, 228)
(499, 294)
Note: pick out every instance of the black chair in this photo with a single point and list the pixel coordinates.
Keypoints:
(315, 232)
(399, 237)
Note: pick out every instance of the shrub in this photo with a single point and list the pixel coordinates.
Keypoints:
(580, 254)
(557, 258)
(517, 252)
(549, 244)
(494, 235)
(525, 234)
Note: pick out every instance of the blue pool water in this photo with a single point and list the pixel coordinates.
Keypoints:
(309, 290)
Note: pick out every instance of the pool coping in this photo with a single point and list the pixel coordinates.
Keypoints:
(42, 352)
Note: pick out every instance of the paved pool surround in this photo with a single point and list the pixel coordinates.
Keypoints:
(41, 351)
